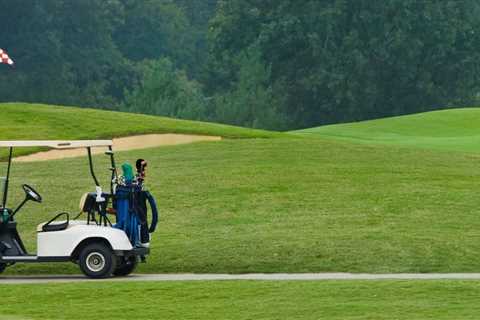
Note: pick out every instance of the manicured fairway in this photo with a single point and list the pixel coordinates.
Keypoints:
(303, 204)
(450, 130)
(287, 205)
(331, 300)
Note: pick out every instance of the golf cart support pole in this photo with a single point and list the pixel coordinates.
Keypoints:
(113, 168)
(4, 200)
(100, 206)
(90, 162)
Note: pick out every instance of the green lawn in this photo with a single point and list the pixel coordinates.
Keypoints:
(299, 204)
(287, 205)
(354, 300)
(292, 204)
(451, 130)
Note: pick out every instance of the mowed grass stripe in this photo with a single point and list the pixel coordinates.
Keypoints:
(245, 300)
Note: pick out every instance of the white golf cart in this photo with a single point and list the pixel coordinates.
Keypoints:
(99, 249)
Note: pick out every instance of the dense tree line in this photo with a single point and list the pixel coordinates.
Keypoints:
(276, 64)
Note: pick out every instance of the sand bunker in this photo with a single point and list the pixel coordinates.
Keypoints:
(121, 144)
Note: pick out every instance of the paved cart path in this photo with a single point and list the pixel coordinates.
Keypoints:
(250, 276)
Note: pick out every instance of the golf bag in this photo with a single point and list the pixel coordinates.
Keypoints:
(131, 208)
(145, 230)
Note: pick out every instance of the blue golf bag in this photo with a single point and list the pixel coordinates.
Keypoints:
(131, 207)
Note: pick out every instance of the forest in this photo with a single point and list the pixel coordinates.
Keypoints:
(273, 64)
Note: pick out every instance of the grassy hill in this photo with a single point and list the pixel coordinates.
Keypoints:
(56, 122)
(286, 205)
(23, 121)
(453, 129)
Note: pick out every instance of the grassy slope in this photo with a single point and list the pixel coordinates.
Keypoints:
(35, 121)
(244, 300)
(23, 121)
(453, 130)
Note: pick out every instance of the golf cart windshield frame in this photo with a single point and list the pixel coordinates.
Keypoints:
(59, 144)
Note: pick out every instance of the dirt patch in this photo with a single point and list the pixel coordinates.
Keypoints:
(121, 144)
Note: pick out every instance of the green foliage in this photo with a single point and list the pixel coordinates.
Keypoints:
(73, 61)
(163, 90)
(198, 14)
(260, 63)
(252, 101)
(86, 52)
(343, 60)
(153, 29)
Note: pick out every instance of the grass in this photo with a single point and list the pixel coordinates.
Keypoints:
(448, 130)
(354, 300)
(27, 121)
(307, 204)
(23, 121)
(287, 205)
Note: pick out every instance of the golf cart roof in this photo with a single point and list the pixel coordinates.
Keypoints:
(57, 144)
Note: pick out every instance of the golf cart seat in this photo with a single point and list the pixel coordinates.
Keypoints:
(54, 225)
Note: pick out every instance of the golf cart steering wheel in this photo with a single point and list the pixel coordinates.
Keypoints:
(31, 193)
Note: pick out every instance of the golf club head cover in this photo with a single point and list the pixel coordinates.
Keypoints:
(141, 165)
(127, 173)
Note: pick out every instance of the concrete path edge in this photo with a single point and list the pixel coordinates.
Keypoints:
(250, 276)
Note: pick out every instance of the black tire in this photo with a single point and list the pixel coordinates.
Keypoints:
(3, 266)
(97, 261)
(125, 267)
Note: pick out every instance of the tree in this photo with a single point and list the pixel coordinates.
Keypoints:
(252, 101)
(165, 91)
(155, 29)
(198, 14)
(345, 61)
(64, 52)
(38, 75)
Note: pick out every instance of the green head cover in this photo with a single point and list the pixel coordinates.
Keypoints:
(5, 216)
(127, 172)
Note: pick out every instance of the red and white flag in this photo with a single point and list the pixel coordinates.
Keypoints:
(4, 58)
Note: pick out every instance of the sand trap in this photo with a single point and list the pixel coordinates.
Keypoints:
(120, 144)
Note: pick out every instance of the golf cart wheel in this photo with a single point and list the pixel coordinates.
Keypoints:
(3, 266)
(97, 261)
(125, 267)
